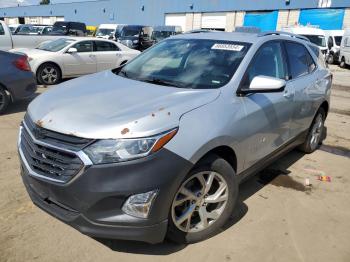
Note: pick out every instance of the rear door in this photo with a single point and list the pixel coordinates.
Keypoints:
(82, 62)
(108, 55)
(268, 114)
(305, 79)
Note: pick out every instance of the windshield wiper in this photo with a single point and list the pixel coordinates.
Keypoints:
(162, 82)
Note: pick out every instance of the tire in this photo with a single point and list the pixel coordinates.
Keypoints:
(193, 229)
(49, 74)
(330, 59)
(4, 100)
(315, 136)
(342, 63)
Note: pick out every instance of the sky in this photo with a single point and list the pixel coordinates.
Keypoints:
(7, 3)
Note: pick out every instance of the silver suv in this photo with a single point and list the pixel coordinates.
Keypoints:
(158, 147)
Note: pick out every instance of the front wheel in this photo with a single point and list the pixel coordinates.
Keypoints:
(204, 201)
(315, 135)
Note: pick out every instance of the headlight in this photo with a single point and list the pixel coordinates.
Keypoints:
(135, 41)
(119, 150)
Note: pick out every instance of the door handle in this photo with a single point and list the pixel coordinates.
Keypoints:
(91, 55)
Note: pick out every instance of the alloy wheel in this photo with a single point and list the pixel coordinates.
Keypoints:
(49, 75)
(199, 202)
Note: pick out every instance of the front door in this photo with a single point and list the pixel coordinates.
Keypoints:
(268, 115)
(82, 62)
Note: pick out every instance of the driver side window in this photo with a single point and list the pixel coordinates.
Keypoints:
(268, 61)
(84, 47)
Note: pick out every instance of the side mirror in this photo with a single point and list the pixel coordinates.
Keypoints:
(265, 84)
(72, 50)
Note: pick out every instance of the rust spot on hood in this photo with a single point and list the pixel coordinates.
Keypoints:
(40, 123)
(125, 131)
(161, 109)
(168, 113)
(50, 120)
(153, 115)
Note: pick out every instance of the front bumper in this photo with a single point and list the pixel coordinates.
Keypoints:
(92, 201)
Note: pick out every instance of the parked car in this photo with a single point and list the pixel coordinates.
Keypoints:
(106, 31)
(71, 57)
(9, 41)
(34, 30)
(16, 79)
(159, 146)
(333, 38)
(137, 37)
(69, 28)
(91, 30)
(344, 53)
(162, 32)
(313, 33)
(13, 27)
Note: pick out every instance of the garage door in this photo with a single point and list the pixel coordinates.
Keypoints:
(266, 21)
(46, 20)
(214, 21)
(176, 20)
(328, 19)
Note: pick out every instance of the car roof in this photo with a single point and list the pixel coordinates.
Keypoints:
(244, 36)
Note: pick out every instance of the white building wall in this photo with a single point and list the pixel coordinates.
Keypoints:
(230, 21)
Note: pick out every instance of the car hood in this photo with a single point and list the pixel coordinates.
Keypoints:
(31, 52)
(105, 105)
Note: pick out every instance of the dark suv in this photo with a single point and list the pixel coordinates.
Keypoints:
(137, 37)
(69, 28)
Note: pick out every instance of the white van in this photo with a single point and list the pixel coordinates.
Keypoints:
(344, 56)
(106, 31)
(316, 35)
(333, 38)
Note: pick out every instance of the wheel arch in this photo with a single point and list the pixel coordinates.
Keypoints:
(7, 91)
(325, 107)
(225, 152)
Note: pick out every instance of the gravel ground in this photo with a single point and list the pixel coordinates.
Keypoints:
(277, 219)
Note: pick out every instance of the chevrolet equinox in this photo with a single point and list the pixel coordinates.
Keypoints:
(157, 148)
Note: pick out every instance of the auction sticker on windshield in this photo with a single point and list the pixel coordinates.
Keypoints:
(228, 47)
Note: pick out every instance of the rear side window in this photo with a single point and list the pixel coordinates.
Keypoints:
(2, 31)
(298, 58)
(105, 46)
(268, 61)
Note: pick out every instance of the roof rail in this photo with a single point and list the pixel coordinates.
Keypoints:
(283, 33)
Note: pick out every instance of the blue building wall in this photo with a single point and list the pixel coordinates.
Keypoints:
(152, 12)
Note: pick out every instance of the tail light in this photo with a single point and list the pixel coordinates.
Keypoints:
(22, 63)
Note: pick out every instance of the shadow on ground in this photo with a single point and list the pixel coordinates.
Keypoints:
(247, 189)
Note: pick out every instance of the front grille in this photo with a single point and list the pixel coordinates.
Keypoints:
(49, 162)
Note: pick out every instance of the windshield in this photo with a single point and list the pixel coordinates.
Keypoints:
(56, 45)
(187, 63)
(319, 40)
(59, 28)
(130, 32)
(104, 31)
(160, 35)
(337, 40)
